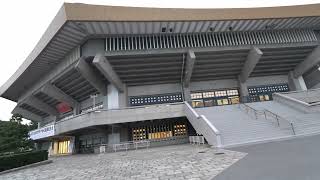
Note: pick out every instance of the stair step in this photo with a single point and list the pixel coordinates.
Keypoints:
(238, 127)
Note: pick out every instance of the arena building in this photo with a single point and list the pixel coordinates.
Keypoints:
(107, 75)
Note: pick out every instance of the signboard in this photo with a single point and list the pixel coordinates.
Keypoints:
(43, 132)
(63, 107)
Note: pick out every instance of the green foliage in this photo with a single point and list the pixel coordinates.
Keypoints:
(14, 135)
(21, 159)
(16, 118)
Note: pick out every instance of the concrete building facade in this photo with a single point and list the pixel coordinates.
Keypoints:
(107, 75)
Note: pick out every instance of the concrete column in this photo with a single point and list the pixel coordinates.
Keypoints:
(105, 102)
(101, 63)
(311, 60)
(91, 76)
(251, 62)
(243, 89)
(115, 98)
(76, 109)
(187, 94)
(296, 84)
(191, 57)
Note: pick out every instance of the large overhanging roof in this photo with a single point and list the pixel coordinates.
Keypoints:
(75, 23)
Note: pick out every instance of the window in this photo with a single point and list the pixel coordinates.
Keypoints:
(159, 131)
(197, 103)
(155, 99)
(208, 94)
(264, 93)
(196, 95)
(215, 98)
(220, 93)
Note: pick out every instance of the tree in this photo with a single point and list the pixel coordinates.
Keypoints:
(16, 118)
(14, 135)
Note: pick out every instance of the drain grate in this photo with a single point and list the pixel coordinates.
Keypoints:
(219, 153)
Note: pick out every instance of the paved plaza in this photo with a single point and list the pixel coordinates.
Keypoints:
(170, 162)
(295, 159)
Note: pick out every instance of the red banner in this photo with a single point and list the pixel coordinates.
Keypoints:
(63, 107)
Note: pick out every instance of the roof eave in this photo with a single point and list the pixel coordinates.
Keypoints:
(56, 24)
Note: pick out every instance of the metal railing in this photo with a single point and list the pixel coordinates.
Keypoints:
(251, 111)
(196, 140)
(131, 145)
(279, 121)
(203, 126)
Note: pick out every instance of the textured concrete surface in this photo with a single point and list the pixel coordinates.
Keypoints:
(294, 159)
(170, 162)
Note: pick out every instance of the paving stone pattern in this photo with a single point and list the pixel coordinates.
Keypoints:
(170, 162)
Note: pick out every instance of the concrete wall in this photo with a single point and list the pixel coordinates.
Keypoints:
(92, 47)
(265, 80)
(312, 79)
(217, 84)
(120, 116)
(154, 89)
(305, 96)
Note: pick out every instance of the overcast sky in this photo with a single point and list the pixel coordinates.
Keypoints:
(23, 23)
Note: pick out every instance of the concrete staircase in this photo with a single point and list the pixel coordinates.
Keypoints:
(237, 127)
(304, 123)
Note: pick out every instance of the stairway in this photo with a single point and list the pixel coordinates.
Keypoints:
(236, 127)
(304, 123)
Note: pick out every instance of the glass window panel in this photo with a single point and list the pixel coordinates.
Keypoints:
(208, 102)
(225, 101)
(208, 94)
(196, 95)
(235, 100)
(197, 103)
(219, 102)
(221, 93)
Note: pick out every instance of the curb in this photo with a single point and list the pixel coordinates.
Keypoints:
(27, 166)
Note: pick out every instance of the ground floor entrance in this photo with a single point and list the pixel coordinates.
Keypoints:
(62, 145)
(159, 132)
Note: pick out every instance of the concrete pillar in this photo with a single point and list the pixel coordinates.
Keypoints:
(115, 98)
(243, 90)
(251, 62)
(187, 94)
(191, 57)
(105, 102)
(296, 84)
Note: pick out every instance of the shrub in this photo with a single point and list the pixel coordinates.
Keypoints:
(21, 159)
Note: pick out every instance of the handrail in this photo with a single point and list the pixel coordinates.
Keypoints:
(209, 124)
(256, 112)
(291, 99)
(216, 131)
(295, 100)
(278, 118)
(299, 91)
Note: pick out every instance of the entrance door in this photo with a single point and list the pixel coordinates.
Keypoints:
(61, 147)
